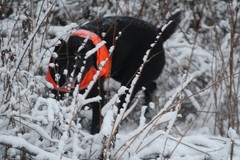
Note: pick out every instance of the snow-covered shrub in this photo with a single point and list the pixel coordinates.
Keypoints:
(196, 110)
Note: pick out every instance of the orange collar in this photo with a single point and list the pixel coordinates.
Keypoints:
(102, 54)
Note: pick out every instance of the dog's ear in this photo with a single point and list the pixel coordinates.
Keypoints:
(94, 57)
(61, 48)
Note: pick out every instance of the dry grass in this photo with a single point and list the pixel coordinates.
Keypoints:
(201, 80)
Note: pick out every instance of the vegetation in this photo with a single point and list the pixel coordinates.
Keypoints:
(196, 112)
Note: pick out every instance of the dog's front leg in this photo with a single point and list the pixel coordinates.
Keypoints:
(96, 118)
(97, 90)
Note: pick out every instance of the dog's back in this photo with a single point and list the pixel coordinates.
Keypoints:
(130, 36)
(134, 38)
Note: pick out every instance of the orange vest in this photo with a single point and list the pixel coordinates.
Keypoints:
(102, 54)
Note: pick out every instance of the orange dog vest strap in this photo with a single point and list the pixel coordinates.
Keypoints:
(102, 55)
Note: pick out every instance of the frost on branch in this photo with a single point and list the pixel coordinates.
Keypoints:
(200, 84)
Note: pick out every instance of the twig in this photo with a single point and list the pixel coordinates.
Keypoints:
(19, 61)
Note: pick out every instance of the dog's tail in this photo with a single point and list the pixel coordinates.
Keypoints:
(168, 29)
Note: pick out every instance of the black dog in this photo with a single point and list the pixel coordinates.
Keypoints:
(131, 39)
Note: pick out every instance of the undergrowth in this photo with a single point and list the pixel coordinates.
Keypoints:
(196, 109)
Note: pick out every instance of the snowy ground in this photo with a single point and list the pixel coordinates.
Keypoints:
(196, 112)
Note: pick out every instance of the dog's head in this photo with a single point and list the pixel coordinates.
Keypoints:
(77, 61)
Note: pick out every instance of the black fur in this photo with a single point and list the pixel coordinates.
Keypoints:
(130, 47)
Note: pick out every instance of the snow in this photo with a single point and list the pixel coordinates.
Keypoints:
(189, 116)
(165, 26)
(107, 123)
(18, 142)
(92, 51)
(232, 134)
